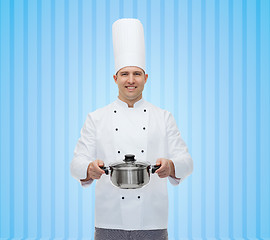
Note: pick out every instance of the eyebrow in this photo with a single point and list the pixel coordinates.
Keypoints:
(131, 72)
(127, 72)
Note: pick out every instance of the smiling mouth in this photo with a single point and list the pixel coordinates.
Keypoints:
(130, 87)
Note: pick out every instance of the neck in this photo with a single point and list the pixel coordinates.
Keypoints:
(130, 103)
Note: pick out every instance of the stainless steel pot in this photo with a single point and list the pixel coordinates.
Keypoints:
(130, 174)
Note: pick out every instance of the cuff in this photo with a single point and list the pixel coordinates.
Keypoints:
(78, 169)
(86, 184)
(183, 167)
(174, 181)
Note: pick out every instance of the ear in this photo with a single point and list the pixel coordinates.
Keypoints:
(115, 78)
(145, 79)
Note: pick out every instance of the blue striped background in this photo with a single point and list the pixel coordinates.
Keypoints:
(208, 63)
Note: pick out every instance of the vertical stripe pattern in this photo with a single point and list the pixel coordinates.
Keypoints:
(80, 99)
(217, 123)
(189, 104)
(66, 118)
(11, 95)
(230, 119)
(176, 106)
(52, 119)
(244, 117)
(258, 119)
(203, 132)
(208, 63)
(39, 173)
(0, 114)
(25, 118)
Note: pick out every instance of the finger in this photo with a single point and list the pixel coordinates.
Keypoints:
(100, 163)
(163, 172)
(161, 162)
(93, 173)
(161, 169)
(163, 175)
(97, 169)
(96, 176)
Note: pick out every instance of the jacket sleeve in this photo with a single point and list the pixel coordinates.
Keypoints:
(178, 151)
(85, 152)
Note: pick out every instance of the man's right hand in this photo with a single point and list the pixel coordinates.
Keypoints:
(94, 171)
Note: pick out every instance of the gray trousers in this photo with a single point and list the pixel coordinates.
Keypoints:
(117, 234)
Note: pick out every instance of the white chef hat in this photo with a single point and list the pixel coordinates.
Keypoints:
(128, 43)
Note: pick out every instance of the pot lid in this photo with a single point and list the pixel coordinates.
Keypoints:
(130, 163)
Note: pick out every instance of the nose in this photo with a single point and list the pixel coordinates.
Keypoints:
(131, 79)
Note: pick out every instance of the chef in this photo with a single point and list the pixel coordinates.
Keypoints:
(130, 125)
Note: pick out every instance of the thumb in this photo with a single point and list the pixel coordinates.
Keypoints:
(100, 163)
(158, 162)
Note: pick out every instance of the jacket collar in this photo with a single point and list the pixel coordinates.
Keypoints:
(137, 104)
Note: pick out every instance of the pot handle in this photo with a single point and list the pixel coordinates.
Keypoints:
(155, 167)
(106, 170)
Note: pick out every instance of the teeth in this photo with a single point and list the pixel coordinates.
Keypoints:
(130, 87)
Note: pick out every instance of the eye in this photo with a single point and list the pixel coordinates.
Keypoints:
(138, 74)
(123, 74)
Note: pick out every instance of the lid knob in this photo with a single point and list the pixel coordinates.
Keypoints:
(129, 158)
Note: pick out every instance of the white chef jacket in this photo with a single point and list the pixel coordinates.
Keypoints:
(149, 133)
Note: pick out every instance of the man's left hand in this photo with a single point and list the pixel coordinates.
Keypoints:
(166, 169)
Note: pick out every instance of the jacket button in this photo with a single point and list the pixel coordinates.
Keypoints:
(118, 151)
(139, 197)
(114, 111)
(143, 128)
(142, 151)
(144, 110)
(123, 198)
(116, 129)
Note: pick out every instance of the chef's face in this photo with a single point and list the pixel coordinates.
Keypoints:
(130, 81)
